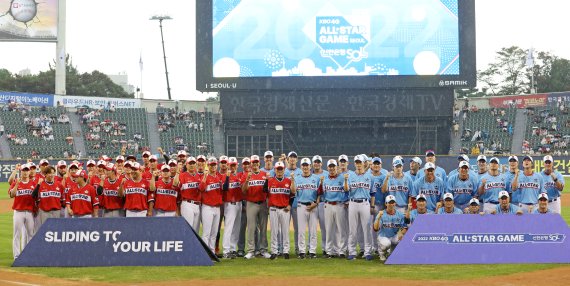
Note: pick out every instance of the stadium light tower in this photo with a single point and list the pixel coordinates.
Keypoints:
(160, 18)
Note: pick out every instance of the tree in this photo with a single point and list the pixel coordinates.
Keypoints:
(552, 74)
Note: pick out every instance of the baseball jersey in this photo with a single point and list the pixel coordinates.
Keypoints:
(550, 185)
(492, 187)
(165, 196)
(432, 190)
(529, 188)
(50, 196)
(439, 172)
(333, 189)
(414, 214)
(255, 191)
(279, 191)
(360, 186)
(296, 172)
(94, 180)
(512, 209)
(454, 172)
(414, 177)
(515, 196)
(324, 174)
(390, 224)
(189, 187)
(455, 210)
(463, 190)
(400, 188)
(537, 211)
(307, 188)
(110, 198)
(147, 174)
(212, 191)
(82, 200)
(232, 191)
(270, 173)
(23, 201)
(377, 182)
(137, 195)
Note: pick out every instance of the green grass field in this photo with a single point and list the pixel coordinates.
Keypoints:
(241, 268)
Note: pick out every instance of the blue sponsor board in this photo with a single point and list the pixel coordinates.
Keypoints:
(153, 241)
(33, 99)
(487, 239)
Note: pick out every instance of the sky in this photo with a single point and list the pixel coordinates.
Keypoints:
(112, 36)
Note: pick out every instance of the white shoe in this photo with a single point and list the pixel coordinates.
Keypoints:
(382, 257)
(266, 255)
(249, 255)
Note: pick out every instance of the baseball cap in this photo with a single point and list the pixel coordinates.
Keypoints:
(91, 162)
(481, 157)
(398, 157)
(153, 158)
(44, 162)
(542, 196)
(172, 163)
(331, 162)
(25, 167)
(74, 164)
(146, 154)
(101, 163)
(513, 158)
(279, 165)
(254, 158)
(135, 165)
(546, 158)
(80, 173)
(201, 158)
(182, 153)
(106, 158)
(494, 159)
(447, 196)
(474, 201)
(528, 157)
(61, 163)
(390, 198)
(190, 159)
(463, 163)
(165, 167)
(223, 159)
(430, 153)
(364, 157)
(110, 167)
(376, 159)
(342, 157)
(232, 161)
(462, 157)
(129, 157)
(420, 197)
(212, 161)
(503, 194)
(317, 158)
(429, 165)
(292, 154)
(417, 160)
(397, 162)
(245, 160)
(305, 161)
(32, 165)
(120, 159)
(359, 158)
(268, 154)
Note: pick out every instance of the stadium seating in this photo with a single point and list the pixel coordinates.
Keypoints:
(541, 137)
(488, 124)
(175, 133)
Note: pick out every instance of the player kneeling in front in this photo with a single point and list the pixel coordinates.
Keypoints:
(542, 205)
(505, 206)
(391, 227)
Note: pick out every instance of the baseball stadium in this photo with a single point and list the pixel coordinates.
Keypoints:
(334, 128)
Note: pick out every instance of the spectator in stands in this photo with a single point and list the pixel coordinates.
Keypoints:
(63, 118)
(455, 128)
(475, 150)
(2, 130)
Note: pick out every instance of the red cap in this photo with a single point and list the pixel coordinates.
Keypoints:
(80, 173)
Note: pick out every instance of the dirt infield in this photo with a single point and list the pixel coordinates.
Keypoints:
(551, 277)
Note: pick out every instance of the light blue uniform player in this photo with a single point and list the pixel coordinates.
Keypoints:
(378, 180)
(462, 185)
(335, 194)
(319, 172)
(391, 226)
(421, 209)
(292, 168)
(490, 185)
(398, 185)
(543, 207)
(268, 166)
(307, 186)
(448, 205)
(505, 207)
(529, 184)
(430, 186)
(553, 184)
(359, 207)
(415, 166)
(509, 176)
(439, 171)
(460, 159)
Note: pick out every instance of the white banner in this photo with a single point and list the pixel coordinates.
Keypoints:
(97, 102)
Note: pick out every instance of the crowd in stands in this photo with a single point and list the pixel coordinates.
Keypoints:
(167, 118)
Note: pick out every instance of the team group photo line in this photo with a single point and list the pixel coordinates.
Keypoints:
(362, 212)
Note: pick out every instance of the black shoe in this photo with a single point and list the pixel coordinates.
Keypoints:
(240, 253)
(301, 256)
(273, 256)
(286, 255)
(361, 254)
(312, 255)
(324, 253)
(342, 256)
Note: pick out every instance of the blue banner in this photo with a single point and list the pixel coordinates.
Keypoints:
(153, 241)
(484, 239)
(33, 99)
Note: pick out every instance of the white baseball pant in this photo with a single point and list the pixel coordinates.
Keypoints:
(307, 218)
(191, 213)
(554, 205)
(130, 213)
(23, 222)
(232, 220)
(527, 208)
(489, 207)
(358, 216)
(210, 221)
(322, 224)
(164, 213)
(114, 213)
(386, 243)
(279, 219)
(43, 216)
(336, 222)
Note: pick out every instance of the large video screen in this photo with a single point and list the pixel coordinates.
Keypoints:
(28, 20)
(321, 44)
